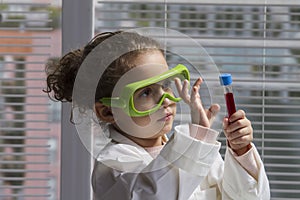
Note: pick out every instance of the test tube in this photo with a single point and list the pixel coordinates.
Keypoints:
(226, 82)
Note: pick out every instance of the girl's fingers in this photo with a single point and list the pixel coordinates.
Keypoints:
(198, 114)
(239, 124)
(212, 112)
(178, 84)
(196, 103)
(198, 82)
(240, 142)
(240, 114)
(239, 133)
(225, 123)
(195, 90)
(183, 90)
(239, 137)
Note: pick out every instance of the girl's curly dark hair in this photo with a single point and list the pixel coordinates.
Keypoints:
(61, 74)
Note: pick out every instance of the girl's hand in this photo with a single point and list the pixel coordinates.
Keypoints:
(239, 132)
(199, 115)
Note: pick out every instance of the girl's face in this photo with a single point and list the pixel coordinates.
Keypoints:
(153, 126)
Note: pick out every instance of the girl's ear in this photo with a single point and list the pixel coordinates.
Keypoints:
(104, 113)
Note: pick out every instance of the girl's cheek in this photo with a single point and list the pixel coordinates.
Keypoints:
(142, 121)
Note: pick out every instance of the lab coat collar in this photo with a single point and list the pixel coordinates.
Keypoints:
(119, 138)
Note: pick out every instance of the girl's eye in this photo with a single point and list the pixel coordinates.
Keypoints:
(145, 92)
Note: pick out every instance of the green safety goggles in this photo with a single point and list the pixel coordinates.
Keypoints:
(144, 97)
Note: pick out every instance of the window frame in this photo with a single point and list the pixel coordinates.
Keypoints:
(76, 161)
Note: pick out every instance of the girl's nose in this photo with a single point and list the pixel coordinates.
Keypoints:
(166, 102)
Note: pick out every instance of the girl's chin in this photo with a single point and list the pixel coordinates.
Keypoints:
(148, 131)
(163, 131)
(167, 128)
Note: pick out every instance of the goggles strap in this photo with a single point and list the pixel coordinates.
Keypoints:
(113, 102)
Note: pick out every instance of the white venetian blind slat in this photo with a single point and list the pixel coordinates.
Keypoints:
(258, 42)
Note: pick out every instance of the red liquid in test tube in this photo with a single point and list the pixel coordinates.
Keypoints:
(226, 81)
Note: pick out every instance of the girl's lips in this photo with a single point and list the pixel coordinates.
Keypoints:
(167, 117)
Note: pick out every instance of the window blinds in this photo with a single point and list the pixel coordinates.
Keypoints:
(258, 43)
(29, 158)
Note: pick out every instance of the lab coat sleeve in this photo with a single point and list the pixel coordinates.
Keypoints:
(160, 179)
(239, 184)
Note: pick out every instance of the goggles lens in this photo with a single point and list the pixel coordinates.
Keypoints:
(153, 95)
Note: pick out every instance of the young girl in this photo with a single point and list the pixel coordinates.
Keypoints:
(135, 100)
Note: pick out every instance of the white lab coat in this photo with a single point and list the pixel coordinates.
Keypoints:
(185, 169)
